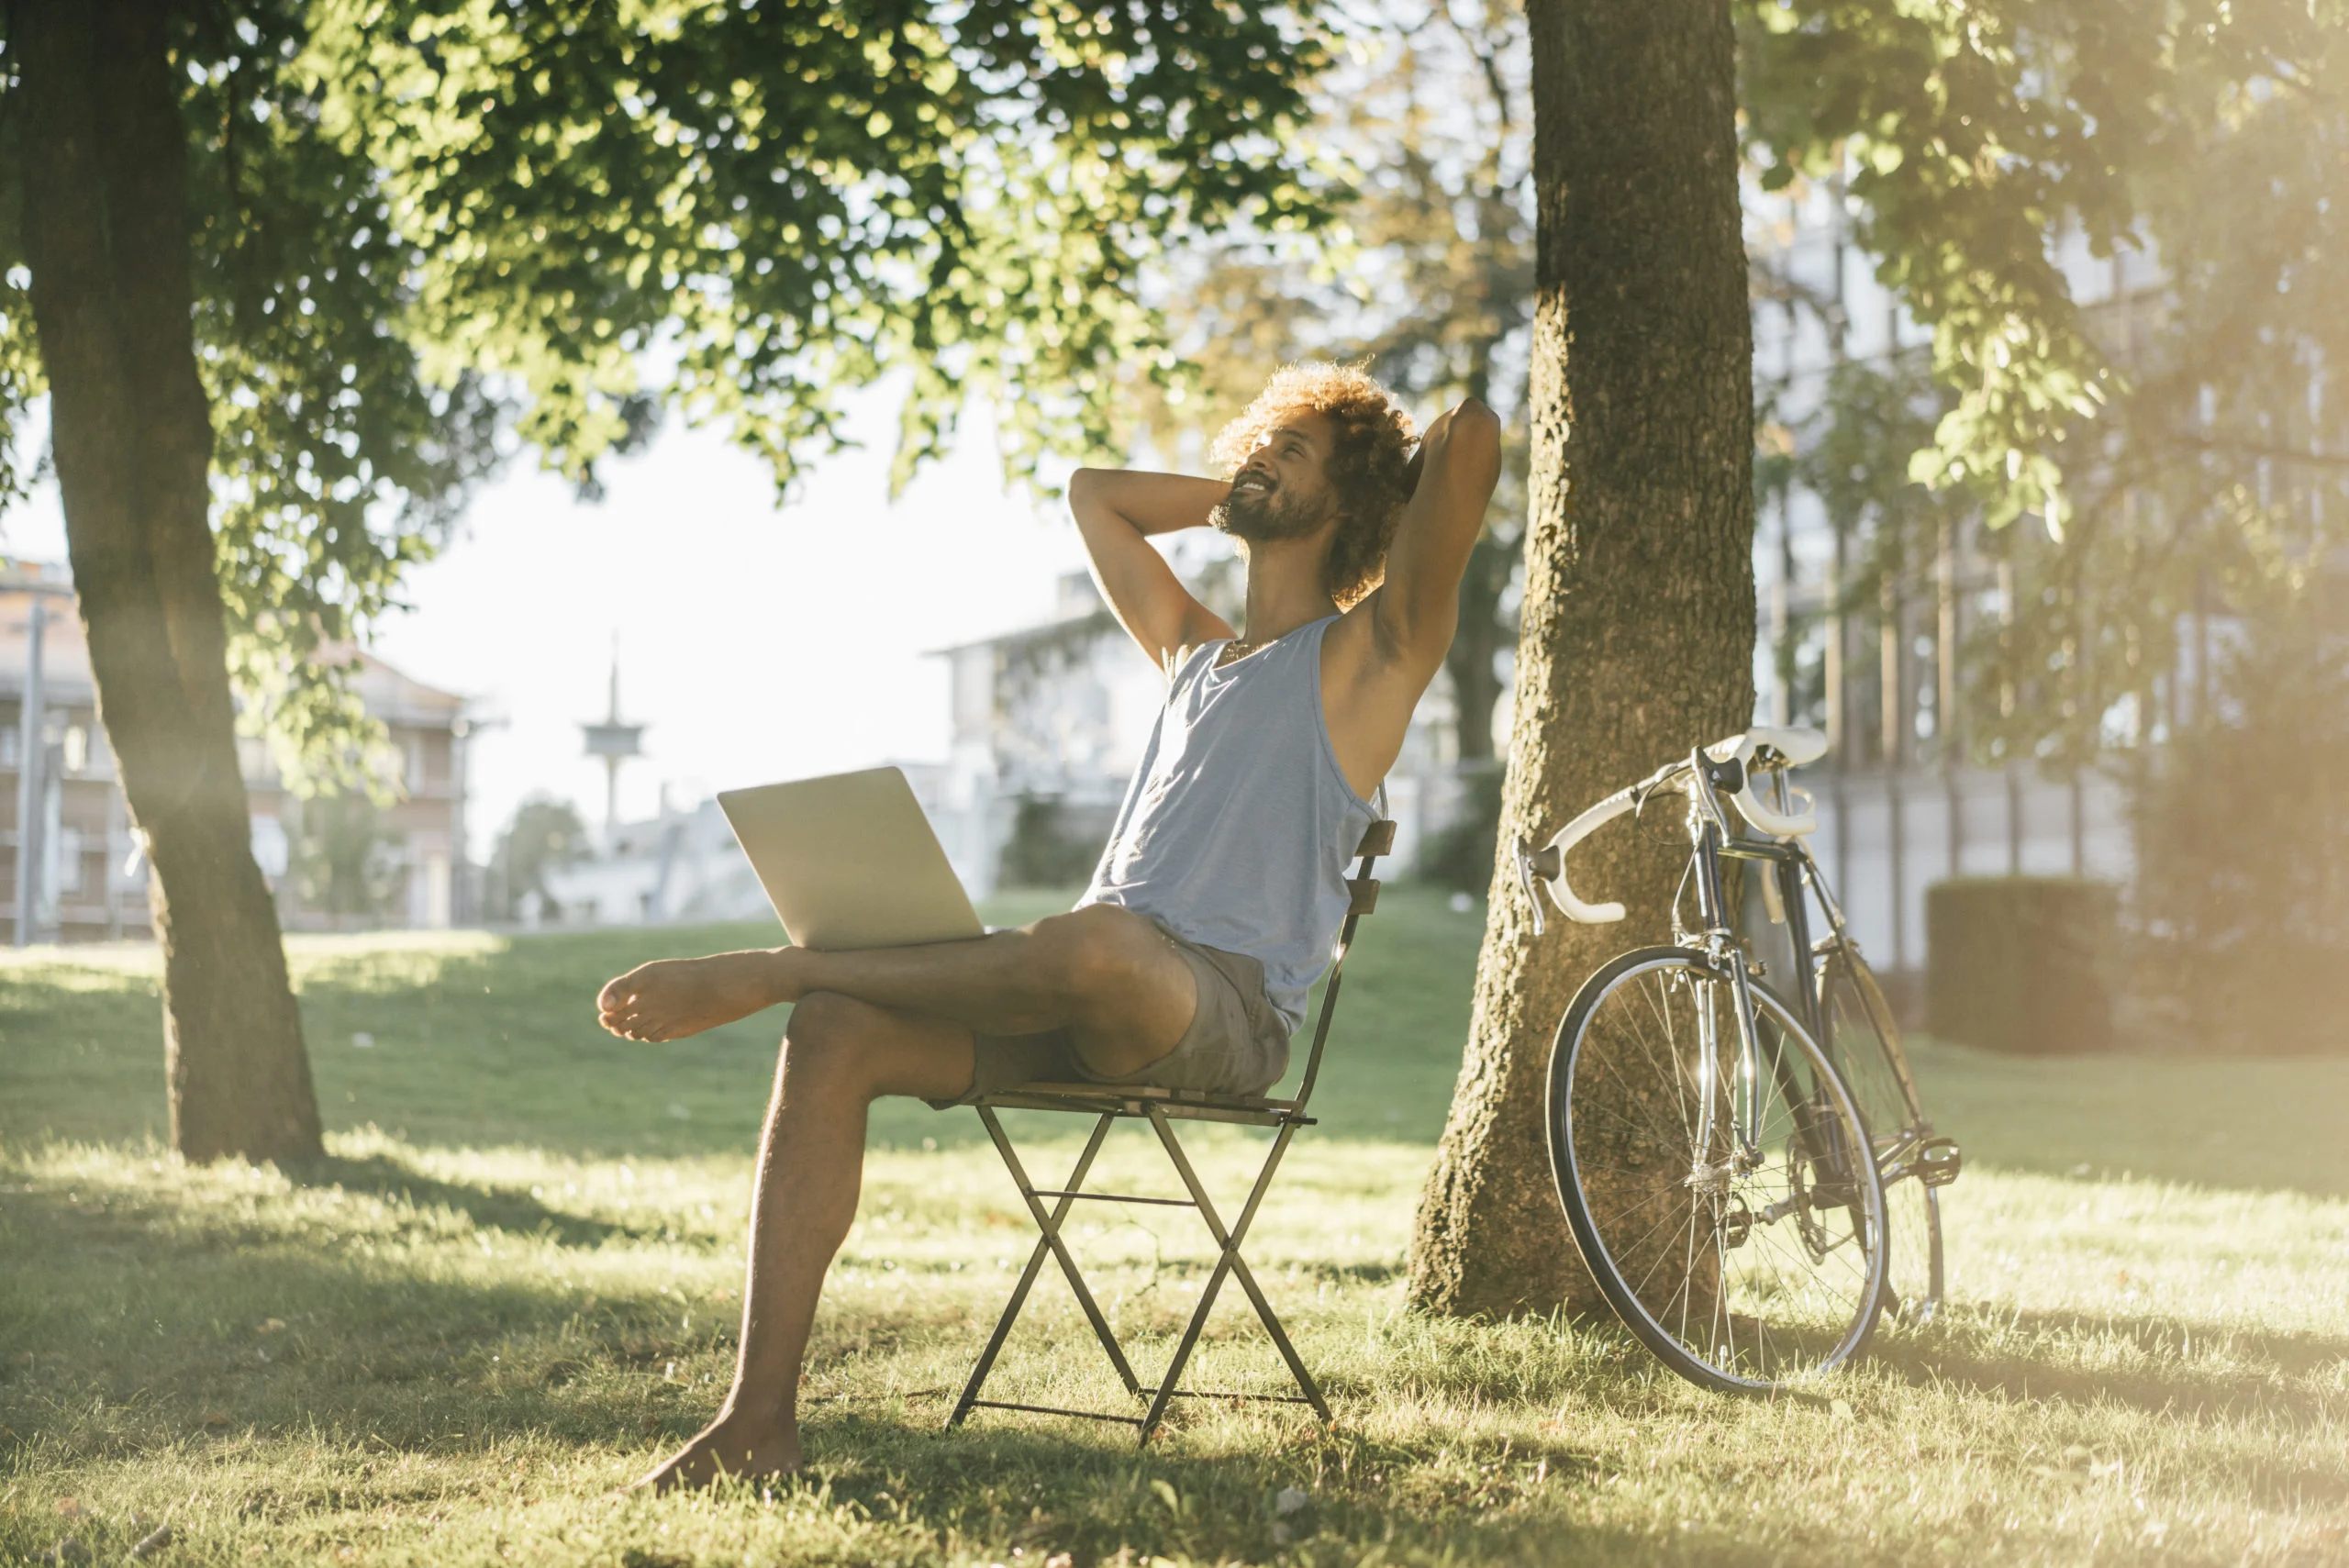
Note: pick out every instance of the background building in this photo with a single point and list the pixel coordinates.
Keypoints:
(1869, 645)
(679, 866)
(411, 868)
(68, 849)
(331, 865)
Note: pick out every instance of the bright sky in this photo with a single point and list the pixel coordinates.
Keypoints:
(757, 643)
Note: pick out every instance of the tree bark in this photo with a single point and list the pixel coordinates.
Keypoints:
(104, 183)
(1636, 641)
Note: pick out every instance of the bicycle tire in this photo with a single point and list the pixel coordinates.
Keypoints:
(1864, 1041)
(1629, 1040)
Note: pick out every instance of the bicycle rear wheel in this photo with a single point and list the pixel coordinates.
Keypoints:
(1745, 1268)
(1865, 1044)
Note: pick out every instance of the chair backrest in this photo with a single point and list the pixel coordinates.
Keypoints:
(1377, 839)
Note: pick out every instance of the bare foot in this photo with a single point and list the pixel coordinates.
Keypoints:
(678, 996)
(731, 1445)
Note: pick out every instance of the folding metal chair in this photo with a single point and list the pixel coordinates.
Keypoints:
(1162, 1108)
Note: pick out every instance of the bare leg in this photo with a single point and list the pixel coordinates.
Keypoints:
(895, 1022)
(838, 1057)
(1104, 974)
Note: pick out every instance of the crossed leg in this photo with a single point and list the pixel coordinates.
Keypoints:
(889, 1022)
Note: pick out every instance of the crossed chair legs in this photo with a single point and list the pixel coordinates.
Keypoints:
(1229, 1262)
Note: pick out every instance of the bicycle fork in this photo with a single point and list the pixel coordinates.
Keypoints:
(1719, 941)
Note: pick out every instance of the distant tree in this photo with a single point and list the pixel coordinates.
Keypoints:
(278, 265)
(545, 834)
(2243, 841)
(346, 856)
(1430, 278)
(2177, 452)
(2180, 451)
(1460, 854)
(1043, 850)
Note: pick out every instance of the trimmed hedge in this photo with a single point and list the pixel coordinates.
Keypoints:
(2020, 963)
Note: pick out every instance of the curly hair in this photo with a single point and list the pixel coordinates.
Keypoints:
(1365, 465)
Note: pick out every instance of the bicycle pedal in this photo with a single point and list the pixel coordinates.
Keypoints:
(1938, 1162)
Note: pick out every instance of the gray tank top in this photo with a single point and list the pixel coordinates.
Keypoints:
(1236, 830)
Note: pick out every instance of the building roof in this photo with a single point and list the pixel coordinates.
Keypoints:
(388, 693)
(399, 698)
(1072, 626)
(65, 656)
(1080, 613)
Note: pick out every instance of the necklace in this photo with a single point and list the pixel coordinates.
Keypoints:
(1236, 649)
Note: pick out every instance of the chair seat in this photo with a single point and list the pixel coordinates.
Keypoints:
(1128, 1100)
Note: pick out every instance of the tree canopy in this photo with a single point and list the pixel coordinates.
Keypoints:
(428, 232)
(2122, 219)
(2173, 442)
(1427, 274)
(2179, 440)
(287, 270)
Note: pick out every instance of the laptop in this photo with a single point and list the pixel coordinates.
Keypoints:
(849, 861)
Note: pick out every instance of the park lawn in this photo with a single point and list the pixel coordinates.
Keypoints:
(514, 1282)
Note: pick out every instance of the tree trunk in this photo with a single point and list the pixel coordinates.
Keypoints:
(104, 183)
(1636, 641)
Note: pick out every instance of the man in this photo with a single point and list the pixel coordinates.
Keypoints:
(1186, 963)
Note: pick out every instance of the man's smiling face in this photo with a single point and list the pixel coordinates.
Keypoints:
(1282, 491)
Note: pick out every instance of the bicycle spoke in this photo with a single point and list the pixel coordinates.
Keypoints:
(1672, 1054)
(1774, 1271)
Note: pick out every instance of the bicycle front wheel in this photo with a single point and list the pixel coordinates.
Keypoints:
(1733, 1220)
(1865, 1044)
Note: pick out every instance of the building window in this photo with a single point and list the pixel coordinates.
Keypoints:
(68, 859)
(76, 749)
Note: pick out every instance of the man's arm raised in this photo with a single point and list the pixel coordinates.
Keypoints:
(1117, 511)
(1381, 656)
(1415, 612)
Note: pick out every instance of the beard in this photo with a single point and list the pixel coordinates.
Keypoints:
(1263, 517)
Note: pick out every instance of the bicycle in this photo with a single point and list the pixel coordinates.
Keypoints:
(1790, 1241)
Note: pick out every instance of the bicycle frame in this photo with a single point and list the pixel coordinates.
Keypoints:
(1712, 839)
(1795, 870)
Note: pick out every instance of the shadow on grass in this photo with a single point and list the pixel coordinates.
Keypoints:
(2255, 1378)
(1051, 1491)
(299, 1360)
(1384, 1272)
(286, 1344)
(485, 1207)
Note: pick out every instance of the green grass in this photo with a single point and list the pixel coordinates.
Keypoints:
(515, 1281)
(475, 1040)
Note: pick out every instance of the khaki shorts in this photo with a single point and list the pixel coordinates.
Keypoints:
(1236, 1044)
